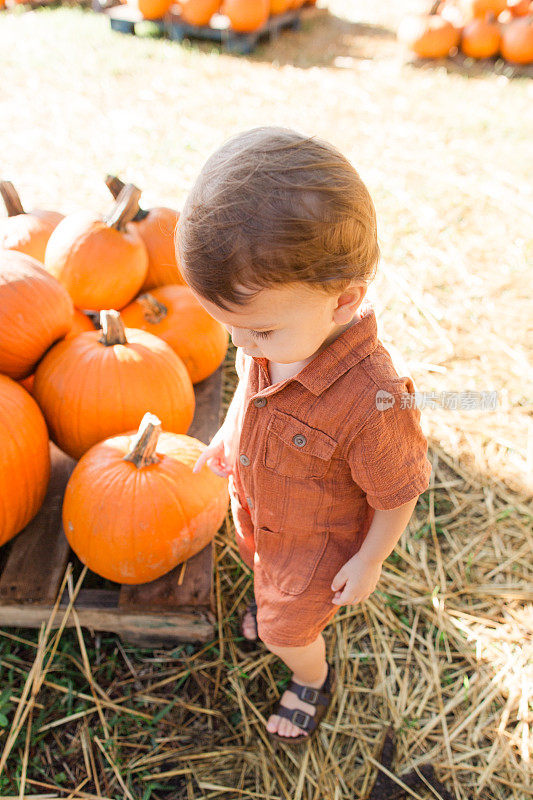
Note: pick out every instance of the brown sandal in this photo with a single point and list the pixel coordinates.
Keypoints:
(320, 698)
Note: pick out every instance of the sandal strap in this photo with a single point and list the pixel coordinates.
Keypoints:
(317, 697)
(298, 717)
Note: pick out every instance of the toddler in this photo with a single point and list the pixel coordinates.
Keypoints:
(322, 441)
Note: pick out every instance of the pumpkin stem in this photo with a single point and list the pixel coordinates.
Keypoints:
(125, 208)
(112, 328)
(153, 310)
(434, 7)
(143, 447)
(115, 186)
(11, 199)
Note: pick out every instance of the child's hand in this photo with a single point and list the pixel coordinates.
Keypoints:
(217, 455)
(356, 580)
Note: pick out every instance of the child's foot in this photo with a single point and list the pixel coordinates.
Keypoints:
(249, 622)
(284, 726)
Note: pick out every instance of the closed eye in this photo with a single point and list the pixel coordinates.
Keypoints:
(261, 334)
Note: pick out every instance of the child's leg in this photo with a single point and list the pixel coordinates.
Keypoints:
(309, 668)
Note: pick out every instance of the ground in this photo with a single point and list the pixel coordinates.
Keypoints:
(440, 649)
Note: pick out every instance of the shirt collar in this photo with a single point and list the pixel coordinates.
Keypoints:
(350, 347)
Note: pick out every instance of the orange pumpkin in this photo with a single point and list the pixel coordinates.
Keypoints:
(28, 383)
(156, 228)
(246, 15)
(80, 324)
(35, 311)
(279, 6)
(481, 38)
(26, 232)
(99, 384)
(198, 12)
(480, 8)
(151, 9)
(517, 41)
(519, 8)
(174, 314)
(25, 461)
(102, 262)
(428, 35)
(133, 508)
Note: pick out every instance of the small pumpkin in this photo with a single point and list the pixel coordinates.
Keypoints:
(80, 324)
(517, 41)
(481, 38)
(198, 12)
(27, 232)
(102, 262)
(25, 461)
(133, 508)
(174, 314)
(480, 8)
(156, 228)
(428, 35)
(246, 16)
(99, 383)
(35, 311)
(151, 9)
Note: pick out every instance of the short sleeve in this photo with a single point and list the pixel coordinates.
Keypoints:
(388, 456)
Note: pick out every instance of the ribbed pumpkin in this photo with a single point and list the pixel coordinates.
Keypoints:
(517, 41)
(35, 311)
(27, 232)
(156, 227)
(134, 509)
(174, 314)
(102, 262)
(99, 383)
(151, 9)
(25, 460)
(246, 15)
(428, 35)
(481, 38)
(198, 12)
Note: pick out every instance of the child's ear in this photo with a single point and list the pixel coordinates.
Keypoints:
(348, 302)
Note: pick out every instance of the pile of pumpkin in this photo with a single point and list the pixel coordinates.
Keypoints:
(478, 28)
(119, 399)
(245, 16)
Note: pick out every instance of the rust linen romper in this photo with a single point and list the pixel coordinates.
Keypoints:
(315, 454)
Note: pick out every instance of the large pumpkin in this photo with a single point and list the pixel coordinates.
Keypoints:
(100, 383)
(198, 12)
(428, 35)
(80, 324)
(35, 311)
(517, 41)
(102, 262)
(480, 38)
(25, 459)
(134, 509)
(246, 15)
(27, 232)
(156, 227)
(174, 314)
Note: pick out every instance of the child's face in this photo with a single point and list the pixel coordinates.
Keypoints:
(288, 323)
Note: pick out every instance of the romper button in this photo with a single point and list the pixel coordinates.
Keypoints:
(260, 402)
(244, 460)
(299, 440)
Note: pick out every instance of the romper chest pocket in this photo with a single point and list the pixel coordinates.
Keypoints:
(295, 449)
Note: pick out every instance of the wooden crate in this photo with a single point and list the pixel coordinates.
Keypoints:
(178, 607)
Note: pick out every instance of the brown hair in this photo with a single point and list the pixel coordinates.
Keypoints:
(272, 206)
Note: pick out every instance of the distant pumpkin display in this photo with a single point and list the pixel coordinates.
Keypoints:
(246, 16)
(172, 513)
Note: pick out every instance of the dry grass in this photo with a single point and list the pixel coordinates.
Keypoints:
(443, 648)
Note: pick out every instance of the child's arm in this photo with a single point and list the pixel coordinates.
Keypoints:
(357, 579)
